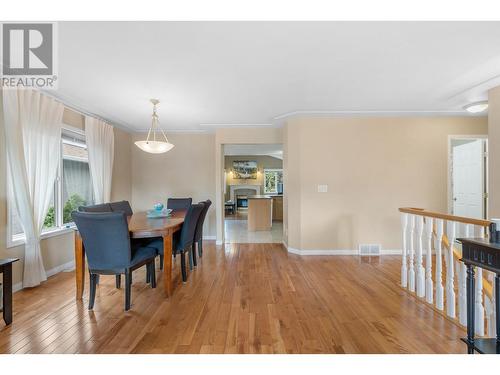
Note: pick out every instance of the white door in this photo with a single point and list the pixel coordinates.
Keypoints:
(468, 179)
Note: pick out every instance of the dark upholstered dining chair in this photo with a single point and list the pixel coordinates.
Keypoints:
(198, 235)
(179, 203)
(104, 207)
(183, 239)
(109, 250)
(123, 206)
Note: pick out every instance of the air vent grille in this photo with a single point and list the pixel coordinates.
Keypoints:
(370, 249)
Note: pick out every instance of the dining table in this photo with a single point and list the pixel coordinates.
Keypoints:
(139, 226)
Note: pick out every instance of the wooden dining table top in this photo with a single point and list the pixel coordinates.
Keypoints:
(141, 226)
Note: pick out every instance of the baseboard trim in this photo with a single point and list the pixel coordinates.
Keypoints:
(209, 238)
(328, 252)
(218, 242)
(66, 267)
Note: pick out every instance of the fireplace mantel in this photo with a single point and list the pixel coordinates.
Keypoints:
(233, 188)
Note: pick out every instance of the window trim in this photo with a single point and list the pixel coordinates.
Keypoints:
(60, 228)
(271, 170)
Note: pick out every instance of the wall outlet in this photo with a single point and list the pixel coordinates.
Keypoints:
(322, 188)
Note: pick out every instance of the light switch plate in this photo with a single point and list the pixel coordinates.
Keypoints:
(322, 188)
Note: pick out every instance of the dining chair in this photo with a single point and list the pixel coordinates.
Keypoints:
(198, 235)
(123, 206)
(182, 242)
(109, 250)
(179, 203)
(104, 207)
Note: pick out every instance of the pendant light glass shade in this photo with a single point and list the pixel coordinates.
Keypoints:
(154, 146)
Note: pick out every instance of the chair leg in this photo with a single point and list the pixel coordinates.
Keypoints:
(148, 272)
(190, 254)
(183, 267)
(200, 248)
(128, 288)
(193, 254)
(93, 285)
(161, 261)
(153, 274)
(118, 281)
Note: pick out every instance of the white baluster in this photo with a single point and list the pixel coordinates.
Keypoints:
(489, 305)
(479, 309)
(411, 248)
(450, 288)
(439, 265)
(404, 265)
(429, 285)
(419, 266)
(462, 281)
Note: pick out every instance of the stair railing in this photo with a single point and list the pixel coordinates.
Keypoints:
(433, 235)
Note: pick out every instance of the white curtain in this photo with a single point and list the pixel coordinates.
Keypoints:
(33, 142)
(100, 144)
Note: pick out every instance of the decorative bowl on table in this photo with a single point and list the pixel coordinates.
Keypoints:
(158, 207)
(154, 214)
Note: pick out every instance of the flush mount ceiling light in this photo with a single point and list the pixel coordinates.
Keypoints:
(477, 107)
(154, 146)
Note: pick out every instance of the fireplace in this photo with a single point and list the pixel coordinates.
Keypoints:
(235, 190)
(241, 201)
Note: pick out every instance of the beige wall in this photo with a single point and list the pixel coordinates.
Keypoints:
(186, 171)
(263, 162)
(236, 136)
(372, 166)
(494, 151)
(58, 250)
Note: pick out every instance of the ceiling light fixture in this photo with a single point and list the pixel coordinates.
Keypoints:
(153, 146)
(477, 107)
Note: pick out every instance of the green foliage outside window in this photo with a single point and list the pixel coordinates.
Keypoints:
(50, 218)
(270, 183)
(71, 205)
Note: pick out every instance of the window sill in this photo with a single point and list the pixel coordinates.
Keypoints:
(20, 239)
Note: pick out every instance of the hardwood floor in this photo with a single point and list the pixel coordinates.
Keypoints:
(242, 298)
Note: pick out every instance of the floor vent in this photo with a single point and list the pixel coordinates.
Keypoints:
(370, 249)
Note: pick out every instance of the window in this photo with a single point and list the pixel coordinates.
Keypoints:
(272, 178)
(72, 188)
(76, 182)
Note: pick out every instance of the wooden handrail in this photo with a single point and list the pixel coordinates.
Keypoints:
(437, 215)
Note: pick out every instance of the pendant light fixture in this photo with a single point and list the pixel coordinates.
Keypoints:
(151, 144)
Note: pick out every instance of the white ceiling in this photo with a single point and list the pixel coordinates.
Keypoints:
(210, 74)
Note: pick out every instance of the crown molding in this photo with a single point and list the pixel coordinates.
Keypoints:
(236, 125)
(334, 113)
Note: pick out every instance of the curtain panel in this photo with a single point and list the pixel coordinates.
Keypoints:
(33, 142)
(100, 145)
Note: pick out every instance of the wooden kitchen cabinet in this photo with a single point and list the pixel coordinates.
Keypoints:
(278, 208)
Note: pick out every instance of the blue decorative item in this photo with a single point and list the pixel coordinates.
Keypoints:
(158, 207)
(154, 214)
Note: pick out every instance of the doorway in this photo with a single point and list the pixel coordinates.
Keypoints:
(251, 172)
(468, 176)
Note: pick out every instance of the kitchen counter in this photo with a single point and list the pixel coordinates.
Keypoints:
(260, 212)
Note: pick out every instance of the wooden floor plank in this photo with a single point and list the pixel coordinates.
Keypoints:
(242, 298)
